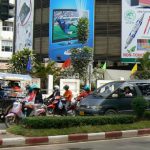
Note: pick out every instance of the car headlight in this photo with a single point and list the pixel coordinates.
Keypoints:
(96, 107)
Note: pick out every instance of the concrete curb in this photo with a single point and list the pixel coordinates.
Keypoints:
(2, 132)
(23, 141)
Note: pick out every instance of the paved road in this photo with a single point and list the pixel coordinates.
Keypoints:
(142, 143)
(2, 126)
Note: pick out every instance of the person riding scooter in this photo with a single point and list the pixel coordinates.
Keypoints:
(34, 97)
(68, 96)
(84, 93)
(55, 94)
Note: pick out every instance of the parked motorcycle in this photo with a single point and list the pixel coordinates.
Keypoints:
(21, 109)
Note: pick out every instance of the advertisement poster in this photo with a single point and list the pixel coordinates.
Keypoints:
(135, 29)
(63, 23)
(24, 24)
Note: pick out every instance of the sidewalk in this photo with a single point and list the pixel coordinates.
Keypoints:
(7, 139)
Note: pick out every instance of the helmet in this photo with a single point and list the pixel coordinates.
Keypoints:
(35, 86)
(66, 87)
(28, 88)
(86, 88)
(56, 87)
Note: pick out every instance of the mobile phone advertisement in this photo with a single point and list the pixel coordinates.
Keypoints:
(63, 26)
(24, 24)
(135, 29)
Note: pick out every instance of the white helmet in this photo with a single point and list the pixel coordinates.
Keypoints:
(56, 87)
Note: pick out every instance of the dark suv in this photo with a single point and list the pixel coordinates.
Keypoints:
(114, 97)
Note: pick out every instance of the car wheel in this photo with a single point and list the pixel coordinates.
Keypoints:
(110, 112)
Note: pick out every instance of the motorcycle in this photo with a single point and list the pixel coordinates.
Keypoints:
(20, 110)
(56, 106)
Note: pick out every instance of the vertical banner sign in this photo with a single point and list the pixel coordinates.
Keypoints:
(63, 22)
(24, 24)
(135, 29)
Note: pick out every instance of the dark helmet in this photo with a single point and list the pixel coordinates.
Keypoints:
(28, 88)
(86, 88)
(66, 87)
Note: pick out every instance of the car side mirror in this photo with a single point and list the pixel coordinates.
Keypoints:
(115, 95)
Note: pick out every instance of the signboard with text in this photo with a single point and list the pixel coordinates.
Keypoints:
(135, 29)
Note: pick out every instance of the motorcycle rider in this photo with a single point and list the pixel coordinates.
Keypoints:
(35, 97)
(84, 93)
(68, 96)
(55, 94)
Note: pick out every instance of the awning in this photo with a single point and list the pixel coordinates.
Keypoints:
(15, 77)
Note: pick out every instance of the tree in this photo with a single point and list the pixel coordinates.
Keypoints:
(42, 71)
(18, 62)
(80, 58)
(83, 30)
(145, 61)
(144, 71)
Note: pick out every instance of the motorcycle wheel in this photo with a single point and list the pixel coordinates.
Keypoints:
(10, 121)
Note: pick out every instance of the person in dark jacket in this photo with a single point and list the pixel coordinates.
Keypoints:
(55, 94)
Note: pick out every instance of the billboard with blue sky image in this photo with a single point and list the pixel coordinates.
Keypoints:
(63, 21)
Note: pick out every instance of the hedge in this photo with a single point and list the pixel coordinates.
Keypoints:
(65, 122)
(147, 115)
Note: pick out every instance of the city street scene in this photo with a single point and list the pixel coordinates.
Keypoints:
(74, 74)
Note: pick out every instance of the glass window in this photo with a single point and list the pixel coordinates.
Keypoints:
(127, 90)
(7, 46)
(144, 88)
(107, 89)
(7, 26)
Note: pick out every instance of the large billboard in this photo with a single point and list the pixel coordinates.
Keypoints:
(24, 24)
(135, 29)
(63, 21)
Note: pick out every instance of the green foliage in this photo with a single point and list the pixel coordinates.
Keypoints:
(147, 115)
(98, 73)
(144, 73)
(83, 30)
(80, 58)
(145, 61)
(139, 105)
(66, 122)
(42, 70)
(19, 61)
(67, 73)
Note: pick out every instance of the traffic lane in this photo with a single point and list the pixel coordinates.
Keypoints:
(117, 144)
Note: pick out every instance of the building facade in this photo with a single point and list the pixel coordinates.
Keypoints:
(107, 30)
(6, 41)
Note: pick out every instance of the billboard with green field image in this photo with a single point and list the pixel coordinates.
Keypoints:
(63, 26)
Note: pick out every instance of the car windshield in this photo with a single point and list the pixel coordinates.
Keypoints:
(107, 89)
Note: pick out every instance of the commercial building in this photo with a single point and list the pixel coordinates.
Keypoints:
(107, 30)
(6, 41)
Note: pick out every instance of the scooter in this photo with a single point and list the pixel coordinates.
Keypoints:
(16, 114)
(57, 107)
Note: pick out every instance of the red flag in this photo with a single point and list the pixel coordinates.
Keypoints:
(66, 64)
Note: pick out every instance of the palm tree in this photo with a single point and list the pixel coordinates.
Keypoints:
(42, 71)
